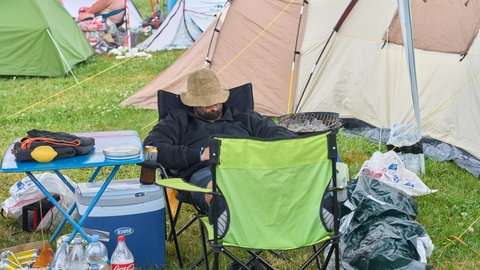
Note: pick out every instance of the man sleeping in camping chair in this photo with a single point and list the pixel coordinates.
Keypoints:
(182, 137)
(114, 10)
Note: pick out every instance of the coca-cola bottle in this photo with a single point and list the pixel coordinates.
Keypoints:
(122, 258)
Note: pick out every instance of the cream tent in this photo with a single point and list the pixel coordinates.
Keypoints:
(352, 63)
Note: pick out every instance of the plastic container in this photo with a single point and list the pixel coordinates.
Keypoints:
(60, 259)
(77, 260)
(122, 258)
(96, 254)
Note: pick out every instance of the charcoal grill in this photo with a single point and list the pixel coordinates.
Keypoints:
(310, 121)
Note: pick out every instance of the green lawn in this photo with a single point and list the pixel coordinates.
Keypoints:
(59, 104)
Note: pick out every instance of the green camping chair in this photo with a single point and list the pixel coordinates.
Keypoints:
(241, 98)
(273, 192)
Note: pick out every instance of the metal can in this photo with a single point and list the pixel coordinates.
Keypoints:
(150, 152)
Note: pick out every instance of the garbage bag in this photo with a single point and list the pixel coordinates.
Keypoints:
(389, 168)
(381, 232)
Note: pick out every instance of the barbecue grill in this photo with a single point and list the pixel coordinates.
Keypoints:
(310, 121)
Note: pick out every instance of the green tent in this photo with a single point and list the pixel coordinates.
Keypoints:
(39, 38)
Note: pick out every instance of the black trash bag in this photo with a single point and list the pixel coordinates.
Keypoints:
(382, 233)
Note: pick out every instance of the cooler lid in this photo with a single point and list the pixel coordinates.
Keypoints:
(118, 192)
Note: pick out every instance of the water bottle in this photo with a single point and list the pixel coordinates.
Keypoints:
(122, 258)
(77, 259)
(60, 259)
(96, 253)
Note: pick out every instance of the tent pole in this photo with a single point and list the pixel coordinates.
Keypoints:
(208, 61)
(406, 19)
(127, 20)
(290, 92)
(342, 19)
(154, 14)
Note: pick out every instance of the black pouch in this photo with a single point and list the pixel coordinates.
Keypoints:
(33, 213)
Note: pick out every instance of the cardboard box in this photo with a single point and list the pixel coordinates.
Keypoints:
(28, 246)
(38, 245)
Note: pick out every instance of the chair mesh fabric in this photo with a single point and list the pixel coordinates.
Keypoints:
(274, 190)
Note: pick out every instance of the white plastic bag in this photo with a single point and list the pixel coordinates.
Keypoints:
(25, 192)
(390, 169)
(403, 135)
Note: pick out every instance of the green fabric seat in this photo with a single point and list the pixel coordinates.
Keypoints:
(274, 190)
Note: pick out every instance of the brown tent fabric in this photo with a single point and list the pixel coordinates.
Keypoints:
(358, 75)
(440, 25)
(260, 51)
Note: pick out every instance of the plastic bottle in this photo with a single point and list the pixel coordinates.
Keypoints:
(77, 259)
(96, 253)
(60, 259)
(122, 258)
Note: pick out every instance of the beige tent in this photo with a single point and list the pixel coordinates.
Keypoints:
(264, 49)
(361, 73)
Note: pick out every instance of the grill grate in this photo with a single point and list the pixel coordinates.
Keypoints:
(310, 121)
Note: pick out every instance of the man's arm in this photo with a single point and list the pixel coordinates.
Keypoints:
(172, 153)
(265, 127)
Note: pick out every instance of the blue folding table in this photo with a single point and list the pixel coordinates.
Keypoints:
(95, 159)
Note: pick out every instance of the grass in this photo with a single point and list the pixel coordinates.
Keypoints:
(58, 104)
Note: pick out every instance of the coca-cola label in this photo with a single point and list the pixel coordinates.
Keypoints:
(124, 231)
(127, 266)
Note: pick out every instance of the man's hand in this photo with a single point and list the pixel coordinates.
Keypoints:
(150, 164)
(206, 154)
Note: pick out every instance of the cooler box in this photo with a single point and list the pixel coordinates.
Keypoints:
(128, 208)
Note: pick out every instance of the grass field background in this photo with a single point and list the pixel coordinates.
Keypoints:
(60, 104)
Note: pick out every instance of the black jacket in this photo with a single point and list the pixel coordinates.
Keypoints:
(180, 136)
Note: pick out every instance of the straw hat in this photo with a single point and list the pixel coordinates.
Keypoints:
(204, 89)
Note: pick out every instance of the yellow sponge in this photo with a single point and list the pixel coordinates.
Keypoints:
(44, 153)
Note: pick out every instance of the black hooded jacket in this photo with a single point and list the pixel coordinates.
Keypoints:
(180, 136)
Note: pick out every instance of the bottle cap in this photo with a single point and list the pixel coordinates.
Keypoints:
(65, 238)
(121, 238)
(95, 238)
(77, 239)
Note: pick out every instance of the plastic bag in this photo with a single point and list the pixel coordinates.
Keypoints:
(390, 169)
(403, 135)
(25, 192)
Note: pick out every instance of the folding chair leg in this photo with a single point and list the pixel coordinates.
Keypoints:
(190, 222)
(317, 258)
(204, 248)
(172, 229)
(174, 221)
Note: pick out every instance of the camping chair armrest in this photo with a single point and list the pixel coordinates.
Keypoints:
(180, 184)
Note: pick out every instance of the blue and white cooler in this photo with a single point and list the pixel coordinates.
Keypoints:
(131, 209)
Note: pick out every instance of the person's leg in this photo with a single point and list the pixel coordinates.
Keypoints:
(202, 178)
